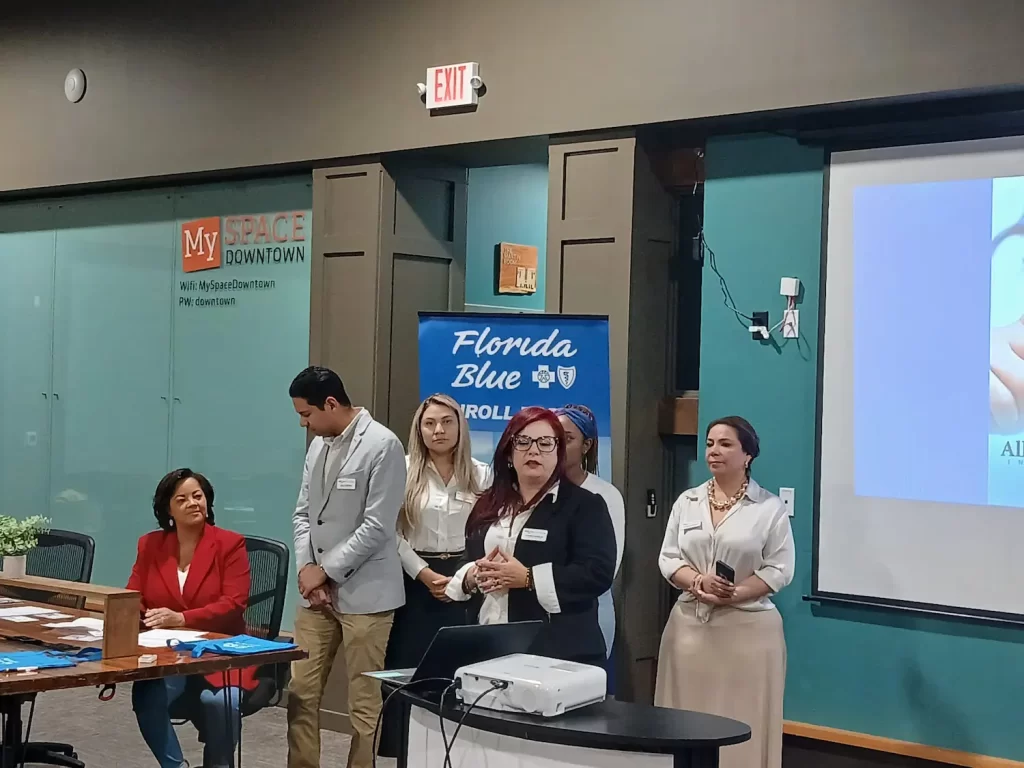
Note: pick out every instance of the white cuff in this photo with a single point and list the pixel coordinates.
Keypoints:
(670, 566)
(544, 587)
(411, 562)
(772, 576)
(454, 588)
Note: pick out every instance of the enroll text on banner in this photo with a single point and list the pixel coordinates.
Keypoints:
(497, 364)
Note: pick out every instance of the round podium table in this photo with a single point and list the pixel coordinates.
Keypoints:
(611, 734)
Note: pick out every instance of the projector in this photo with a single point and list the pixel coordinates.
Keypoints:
(533, 685)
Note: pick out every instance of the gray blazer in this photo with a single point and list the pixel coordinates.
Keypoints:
(348, 523)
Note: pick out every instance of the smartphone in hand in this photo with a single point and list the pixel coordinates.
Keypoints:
(724, 571)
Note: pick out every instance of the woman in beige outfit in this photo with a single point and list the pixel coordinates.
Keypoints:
(723, 650)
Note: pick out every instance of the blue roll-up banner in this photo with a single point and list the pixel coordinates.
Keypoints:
(496, 364)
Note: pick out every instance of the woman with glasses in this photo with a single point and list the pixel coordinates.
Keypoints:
(537, 546)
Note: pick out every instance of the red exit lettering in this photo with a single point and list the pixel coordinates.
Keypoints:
(449, 84)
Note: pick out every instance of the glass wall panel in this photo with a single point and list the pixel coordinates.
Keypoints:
(241, 333)
(26, 287)
(150, 330)
(111, 363)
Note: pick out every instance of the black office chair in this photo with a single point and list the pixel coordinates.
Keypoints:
(268, 585)
(68, 556)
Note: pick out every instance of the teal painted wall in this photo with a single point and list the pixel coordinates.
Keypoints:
(507, 203)
(941, 683)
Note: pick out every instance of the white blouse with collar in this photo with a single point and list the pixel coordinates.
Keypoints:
(503, 534)
(754, 538)
(444, 509)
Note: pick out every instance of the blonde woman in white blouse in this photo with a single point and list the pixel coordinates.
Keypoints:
(723, 650)
(443, 481)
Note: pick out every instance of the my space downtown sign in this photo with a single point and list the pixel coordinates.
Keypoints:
(497, 364)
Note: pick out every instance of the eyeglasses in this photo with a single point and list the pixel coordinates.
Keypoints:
(545, 444)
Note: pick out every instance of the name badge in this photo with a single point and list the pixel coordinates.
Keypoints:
(687, 527)
(346, 484)
(469, 498)
(534, 534)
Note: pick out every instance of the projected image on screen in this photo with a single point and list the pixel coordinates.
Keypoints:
(910, 241)
(922, 431)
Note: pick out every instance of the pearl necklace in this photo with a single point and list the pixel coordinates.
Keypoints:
(721, 506)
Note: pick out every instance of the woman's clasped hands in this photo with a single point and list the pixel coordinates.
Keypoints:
(499, 571)
(712, 589)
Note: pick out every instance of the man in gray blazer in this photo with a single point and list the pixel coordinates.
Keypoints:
(346, 550)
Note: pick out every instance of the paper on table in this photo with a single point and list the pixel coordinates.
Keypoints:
(55, 615)
(8, 600)
(157, 638)
(90, 638)
(85, 622)
(19, 619)
(24, 610)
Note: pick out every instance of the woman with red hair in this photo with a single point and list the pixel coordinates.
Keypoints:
(538, 547)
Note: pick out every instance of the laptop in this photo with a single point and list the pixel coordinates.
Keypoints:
(455, 647)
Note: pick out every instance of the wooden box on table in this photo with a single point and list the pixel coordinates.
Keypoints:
(119, 606)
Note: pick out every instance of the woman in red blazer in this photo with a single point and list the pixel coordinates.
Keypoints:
(193, 575)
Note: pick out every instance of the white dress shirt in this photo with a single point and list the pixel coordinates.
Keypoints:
(504, 533)
(441, 525)
(616, 510)
(337, 449)
(754, 538)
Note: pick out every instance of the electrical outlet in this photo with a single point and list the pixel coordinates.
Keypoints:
(31, 439)
(759, 326)
(786, 494)
(791, 324)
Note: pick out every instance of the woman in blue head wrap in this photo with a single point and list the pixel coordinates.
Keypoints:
(581, 468)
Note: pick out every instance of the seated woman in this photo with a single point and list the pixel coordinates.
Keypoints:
(195, 575)
(538, 547)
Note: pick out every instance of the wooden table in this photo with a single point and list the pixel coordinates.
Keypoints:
(33, 636)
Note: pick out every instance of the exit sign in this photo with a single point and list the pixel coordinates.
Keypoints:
(449, 85)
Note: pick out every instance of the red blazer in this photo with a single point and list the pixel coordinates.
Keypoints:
(216, 590)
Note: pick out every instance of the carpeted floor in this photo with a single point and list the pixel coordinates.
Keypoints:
(105, 734)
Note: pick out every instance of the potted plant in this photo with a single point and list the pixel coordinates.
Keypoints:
(17, 537)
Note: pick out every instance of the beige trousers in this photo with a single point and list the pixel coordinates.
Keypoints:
(364, 639)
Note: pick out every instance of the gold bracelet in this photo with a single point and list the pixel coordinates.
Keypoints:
(529, 578)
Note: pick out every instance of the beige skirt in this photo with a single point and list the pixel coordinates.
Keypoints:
(733, 666)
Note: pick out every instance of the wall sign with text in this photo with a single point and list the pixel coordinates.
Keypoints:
(452, 85)
(496, 364)
(248, 248)
(517, 269)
